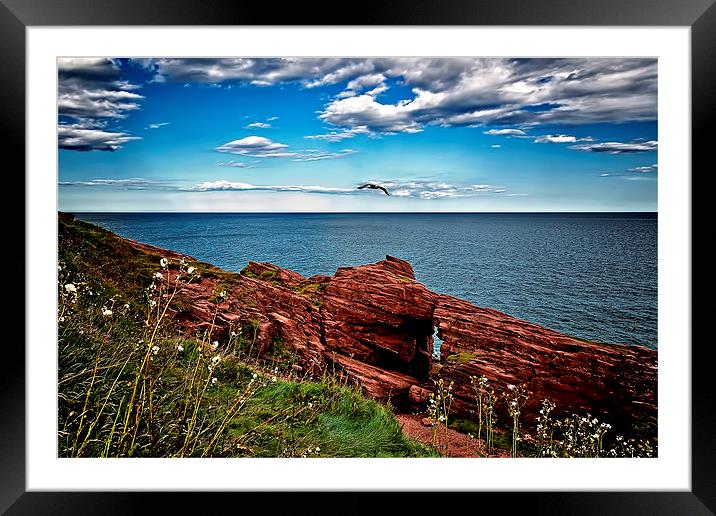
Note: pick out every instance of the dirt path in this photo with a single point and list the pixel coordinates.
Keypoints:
(460, 445)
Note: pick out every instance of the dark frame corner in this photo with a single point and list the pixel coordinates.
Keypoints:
(700, 15)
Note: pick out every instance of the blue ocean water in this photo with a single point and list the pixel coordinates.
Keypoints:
(589, 275)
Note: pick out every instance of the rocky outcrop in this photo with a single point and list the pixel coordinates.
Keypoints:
(376, 323)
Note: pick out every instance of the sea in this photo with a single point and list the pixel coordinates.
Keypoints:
(590, 275)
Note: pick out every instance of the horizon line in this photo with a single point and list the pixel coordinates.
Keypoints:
(362, 212)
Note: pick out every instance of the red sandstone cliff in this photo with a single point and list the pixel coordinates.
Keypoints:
(376, 323)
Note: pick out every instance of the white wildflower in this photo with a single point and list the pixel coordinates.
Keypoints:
(107, 312)
(70, 287)
(180, 348)
(126, 306)
(158, 275)
(215, 359)
(155, 349)
(273, 379)
(214, 380)
(163, 262)
(190, 270)
(215, 344)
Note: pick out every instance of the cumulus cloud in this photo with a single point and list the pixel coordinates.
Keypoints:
(556, 138)
(256, 146)
(504, 92)
(91, 94)
(506, 132)
(81, 138)
(617, 147)
(448, 91)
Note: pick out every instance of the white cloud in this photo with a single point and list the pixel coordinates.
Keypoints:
(78, 137)
(129, 184)
(237, 164)
(425, 190)
(647, 169)
(496, 146)
(91, 94)
(336, 136)
(507, 132)
(260, 147)
(157, 126)
(258, 125)
(224, 185)
(618, 147)
(315, 155)
(555, 138)
(256, 146)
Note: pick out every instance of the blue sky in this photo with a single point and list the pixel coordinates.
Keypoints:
(441, 134)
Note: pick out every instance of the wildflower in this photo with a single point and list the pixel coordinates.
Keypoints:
(215, 344)
(214, 380)
(511, 387)
(158, 275)
(190, 270)
(441, 419)
(70, 287)
(215, 359)
(254, 376)
(180, 348)
(152, 287)
(273, 379)
(317, 449)
(155, 349)
(107, 312)
(152, 303)
(163, 262)
(222, 294)
(62, 319)
(126, 306)
(233, 334)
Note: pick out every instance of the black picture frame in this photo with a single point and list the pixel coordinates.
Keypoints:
(17, 15)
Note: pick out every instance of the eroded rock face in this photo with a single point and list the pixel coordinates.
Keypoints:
(376, 322)
(616, 383)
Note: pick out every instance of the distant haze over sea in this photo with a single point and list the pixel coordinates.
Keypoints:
(591, 275)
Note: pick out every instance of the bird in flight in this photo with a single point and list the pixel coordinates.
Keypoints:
(374, 186)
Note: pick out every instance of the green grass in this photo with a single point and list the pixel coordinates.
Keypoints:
(460, 358)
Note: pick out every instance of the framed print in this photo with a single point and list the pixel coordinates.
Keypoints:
(448, 250)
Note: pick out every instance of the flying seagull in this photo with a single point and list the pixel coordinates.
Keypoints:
(373, 186)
